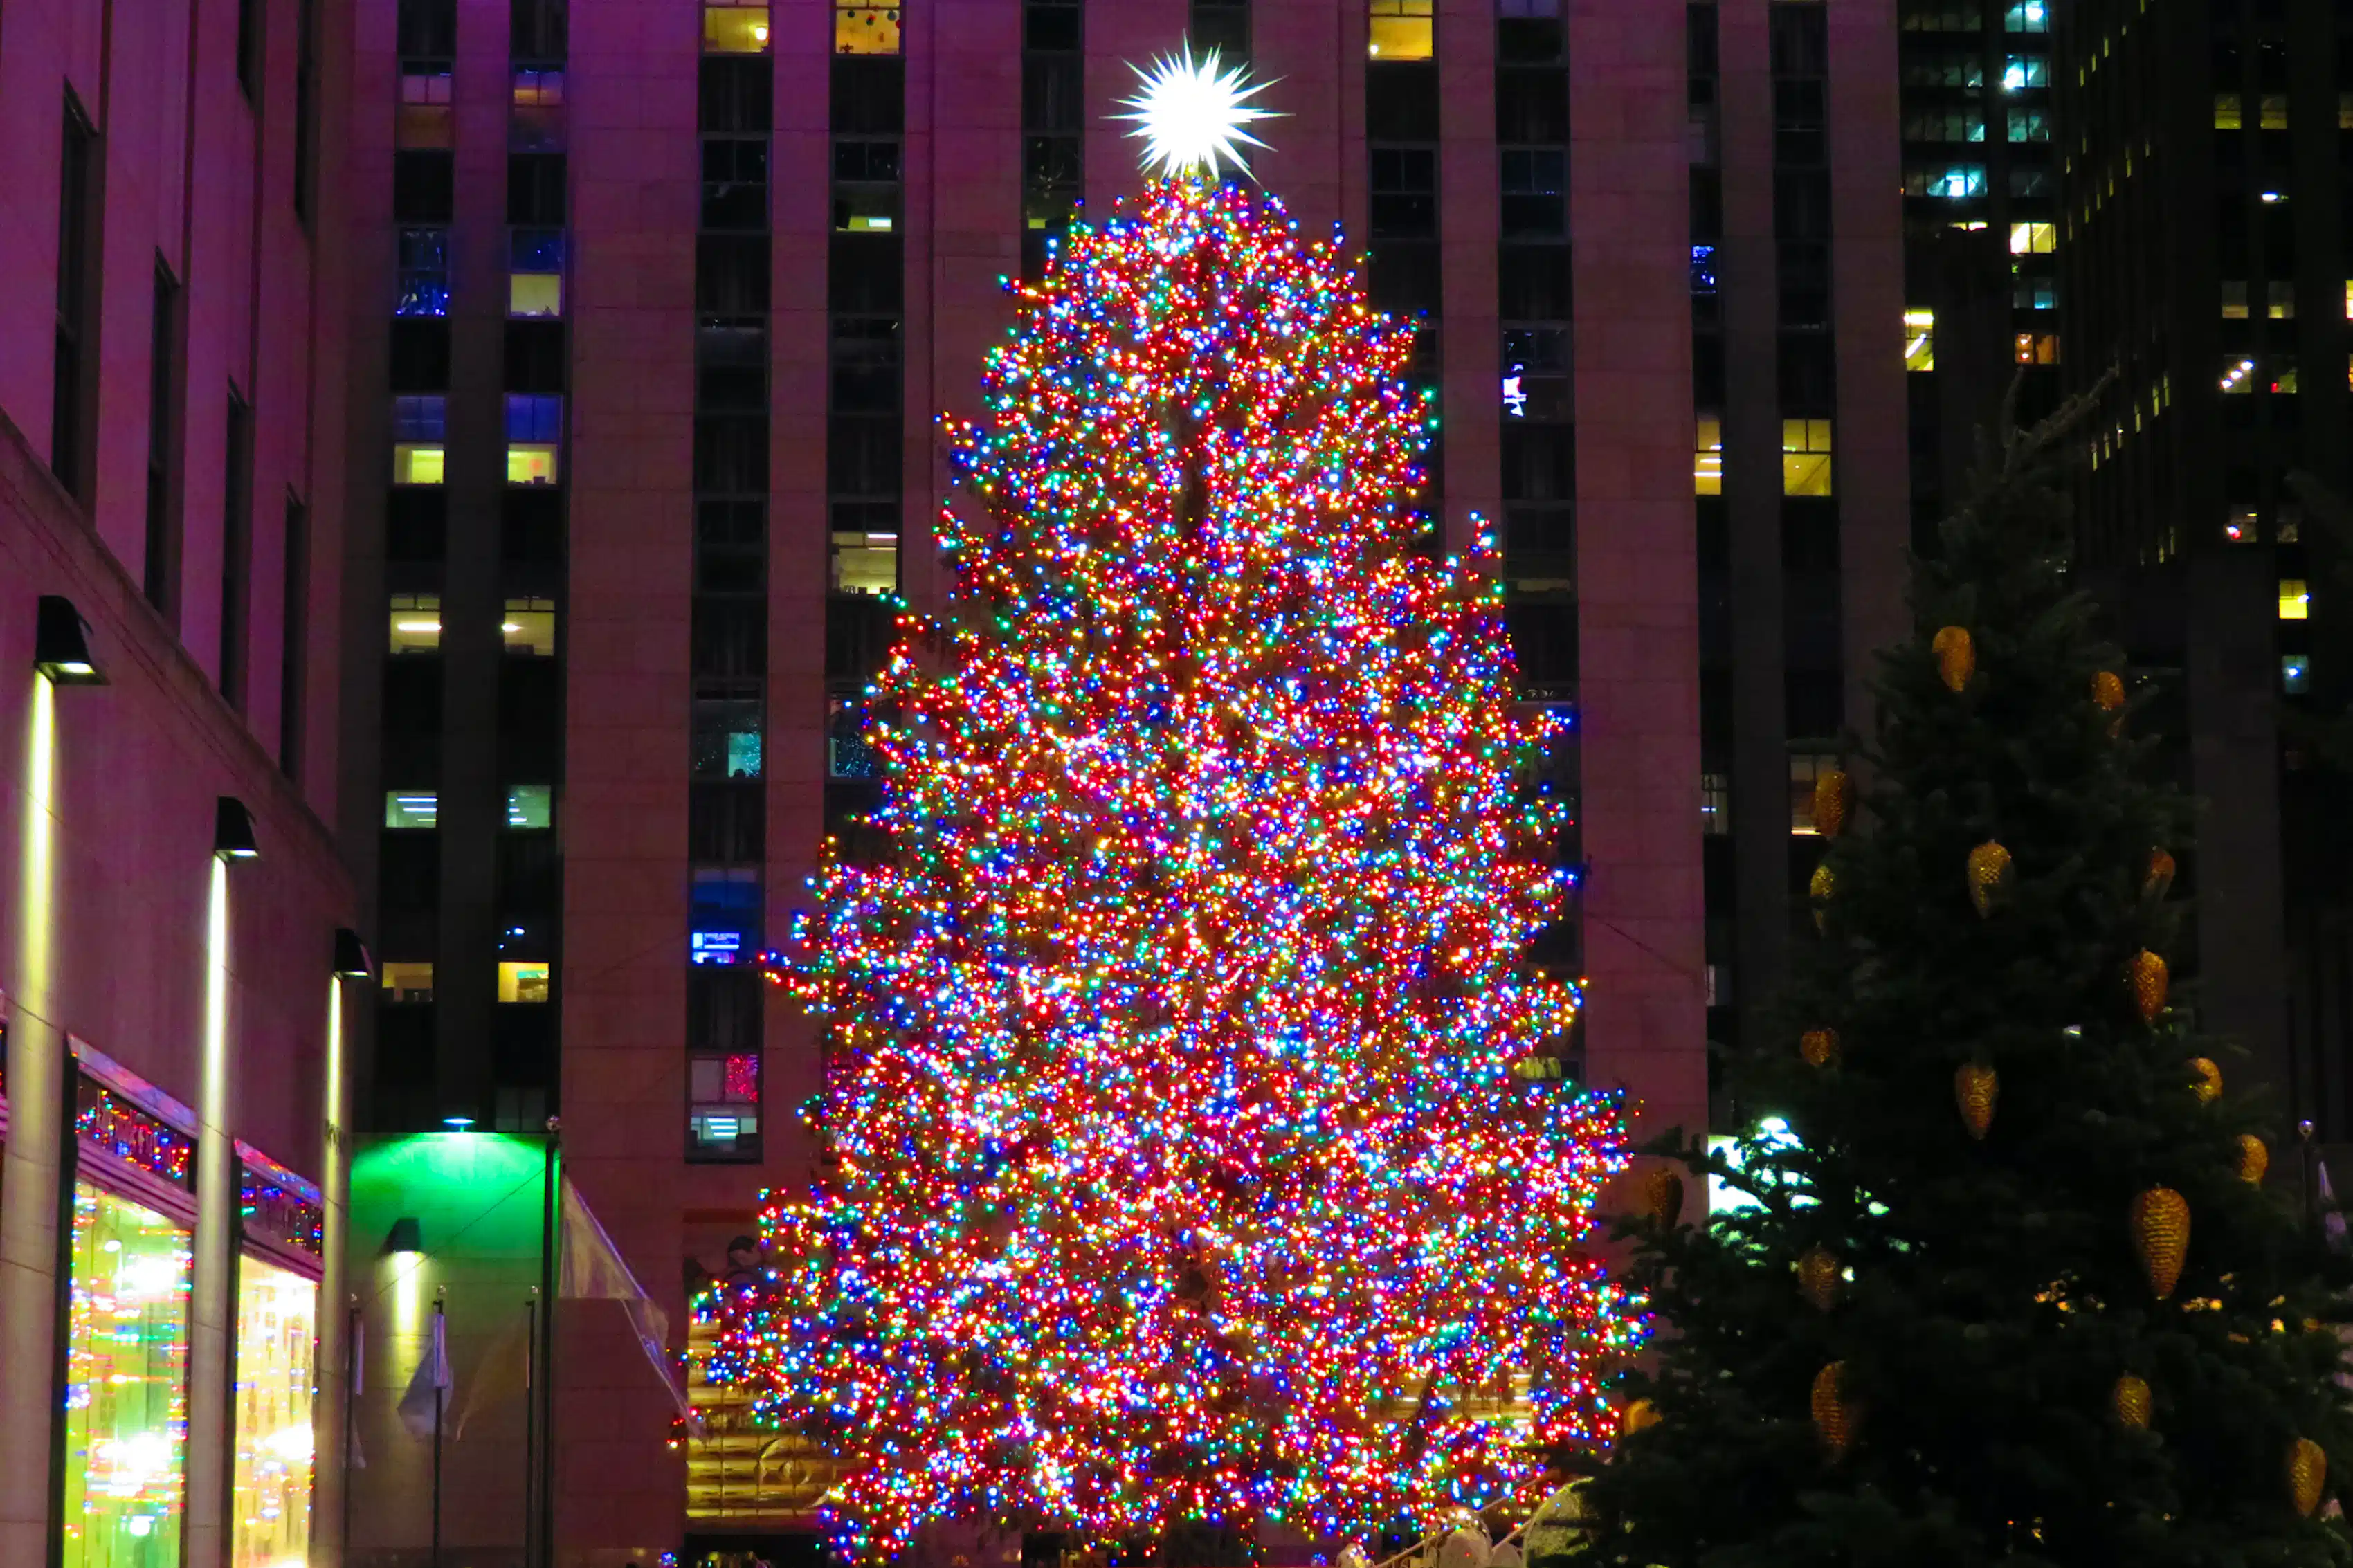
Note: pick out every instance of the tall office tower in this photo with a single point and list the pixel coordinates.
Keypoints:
(1795, 280)
(2204, 228)
(175, 914)
(654, 310)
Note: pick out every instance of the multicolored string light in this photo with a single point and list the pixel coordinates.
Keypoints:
(1179, 1171)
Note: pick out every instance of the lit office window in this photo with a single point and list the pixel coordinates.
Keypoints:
(535, 272)
(426, 115)
(419, 424)
(1401, 29)
(732, 30)
(528, 626)
(408, 809)
(860, 28)
(2029, 17)
(2294, 601)
(414, 624)
(2234, 299)
(1919, 339)
(2279, 301)
(2295, 674)
(531, 805)
(523, 981)
(407, 982)
(1707, 458)
(2034, 239)
(2230, 114)
(2037, 348)
(535, 426)
(1805, 768)
(1805, 457)
(1714, 804)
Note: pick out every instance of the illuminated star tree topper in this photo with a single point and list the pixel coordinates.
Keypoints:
(1194, 115)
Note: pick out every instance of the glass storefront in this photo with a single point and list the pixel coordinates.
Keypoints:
(276, 1319)
(126, 1384)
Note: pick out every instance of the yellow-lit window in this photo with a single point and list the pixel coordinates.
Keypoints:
(1804, 767)
(735, 29)
(405, 810)
(1707, 458)
(1401, 29)
(2282, 374)
(2234, 300)
(2281, 302)
(416, 463)
(528, 626)
(2274, 111)
(406, 981)
(1805, 457)
(522, 982)
(2034, 239)
(2295, 603)
(1919, 339)
(415, 623)
(531, 463)
(860, 28)
(2344, 111)
(2228, 114)
(2037, 348)
(2238, 374)
(426, 116)
(535, 294)
(865, 563)
(2349, 300)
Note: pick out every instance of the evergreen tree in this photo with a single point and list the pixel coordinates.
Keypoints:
(1944, 1327)
(1182, 1178)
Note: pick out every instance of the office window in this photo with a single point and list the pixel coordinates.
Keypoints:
(425, 118)
(415, 623)
(2234, 299)
(1401, 29)
(531, 805)
(1804, 767)
(2020, 72)
(528, 626)
(419, 426)
(2032, 292)
(406, 981)
(1919, 339)
(1403, 192)
(1931, 125)
(2034, 239)
(1533, 182)
(534, 427)
(2272, 111)
(2029, 125)
(865, 564)
(2283, 373)
(424, 273)
(1707, 459)
(2029, 16)
(847, 755)
(535, 272)
(2037, 348)
(723, 1106)
(1714, 804)
(726, 743)
(1805, 457)
(69, 386)
(860, 28)
(2229, 112)
(237, 551)
(2295, 674)
(535, 119)
(2349, 300)
(523, 981)
(2238, 374)
(1949, 182)
(160, 563)
(2279, 301)
(249, 17)
(2295, 599)
(294, 638)
(735, 29)
(407, 810)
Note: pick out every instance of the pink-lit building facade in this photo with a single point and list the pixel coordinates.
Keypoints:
(176, 908)
(652, 309)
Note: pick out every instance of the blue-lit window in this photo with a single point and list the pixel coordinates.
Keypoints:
(535, 272)
(2028, 292)
(2024, 71)
(1951, 182)
(847, 755)
(2029, 125)
(1703, 269)
(2029, 16)
(424, 273)
(723, 921)
(727, 738)
(2295, 674)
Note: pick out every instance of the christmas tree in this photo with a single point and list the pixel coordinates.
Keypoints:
(1193, 1165)
(2002, 1276)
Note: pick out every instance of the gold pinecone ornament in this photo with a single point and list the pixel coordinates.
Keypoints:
(1639, 1415)
(1834, 794)
(1975, 1089)
(2129, 1400)
(1819, 889)
(1663, 1197)
(1819, 1048)
(2160, 1227)
(1957, 657)
(2254, 1159)
(1988, 876)
(2308, 1475)
(2149, 979)
(1833, 1419)
(1818, 1277)
(2157, 880)
(2209, 1087)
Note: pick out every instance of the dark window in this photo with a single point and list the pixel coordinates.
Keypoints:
(1706, 205)
(865, 365)
(1539, 462)
(1805, 279)
(1223, 26)
(534, 356)
(422, 188)
(739, 93)
(862, 457)
(160, 572)
(730, 638)
(1401, 102)
(734, 182)
(731, 365)
(535, 189)
(539, 31)
(71, 384)
(1531, 106)
(306, 103)
(1051, 90)
(723, 1008)
(250, 17)
(1800, 40)
(1527, 41)
(1801, 204)
(1808, 379)
(731, 454)
(420, 354)
(1051, 25)
(731, 274)
(870, 94)
(427, 28)
(1533, 183)
(415, 523)
(237, 550)
(726, 822)
(294, 626)
(1533, 282)
(1404, 192)
(530, 525)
